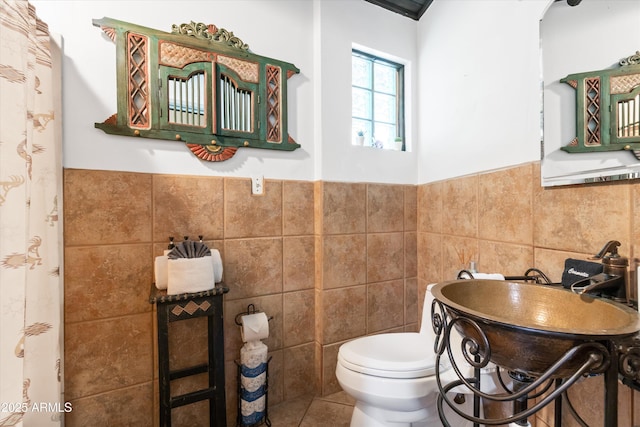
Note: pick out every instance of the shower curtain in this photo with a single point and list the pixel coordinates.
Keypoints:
(30, 241)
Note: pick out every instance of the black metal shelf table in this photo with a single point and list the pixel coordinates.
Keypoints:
(172, 308)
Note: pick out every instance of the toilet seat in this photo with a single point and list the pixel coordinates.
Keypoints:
(400, 355)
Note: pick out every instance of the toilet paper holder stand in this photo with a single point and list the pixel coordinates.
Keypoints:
(264, 419)
(251, 309)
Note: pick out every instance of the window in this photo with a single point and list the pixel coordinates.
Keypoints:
(377, 104)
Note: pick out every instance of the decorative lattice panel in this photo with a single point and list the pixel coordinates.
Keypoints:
(624, 84)
(592, 110)
(138, 99)
(175, 55)
(273, 104)
(248, 71)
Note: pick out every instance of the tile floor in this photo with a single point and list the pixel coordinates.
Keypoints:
(308, 411)
(335, 410)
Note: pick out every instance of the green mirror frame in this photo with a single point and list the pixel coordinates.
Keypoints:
(607, 108)
(199, 85)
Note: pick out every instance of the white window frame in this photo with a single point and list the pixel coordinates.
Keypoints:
(400, 120)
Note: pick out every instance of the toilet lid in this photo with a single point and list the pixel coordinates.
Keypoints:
(401, 355)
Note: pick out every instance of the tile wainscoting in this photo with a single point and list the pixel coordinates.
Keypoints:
(330, 261)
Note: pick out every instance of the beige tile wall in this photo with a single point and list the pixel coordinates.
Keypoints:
(115, 223)
(330, 261)
(507, 223)
(356, 264)
(366, 280)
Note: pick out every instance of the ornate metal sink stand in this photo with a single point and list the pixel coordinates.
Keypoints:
(485, 341)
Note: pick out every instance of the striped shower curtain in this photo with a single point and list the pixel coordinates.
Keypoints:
(30, 241)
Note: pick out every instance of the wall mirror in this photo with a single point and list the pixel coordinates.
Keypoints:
(591, 102)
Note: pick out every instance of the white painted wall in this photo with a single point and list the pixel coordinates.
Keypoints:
(341, 24)
(279, 29)
(592, 36)
(315, 35)
(479, 86)
(473, 69)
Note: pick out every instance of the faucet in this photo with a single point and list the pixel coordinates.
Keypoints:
(612, 282)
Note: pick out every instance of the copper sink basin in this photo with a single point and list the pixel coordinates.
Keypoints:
(531, 326)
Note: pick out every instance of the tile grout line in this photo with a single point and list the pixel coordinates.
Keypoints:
(306, 411)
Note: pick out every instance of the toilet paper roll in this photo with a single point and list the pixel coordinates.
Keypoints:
(160, 271)
(253, 358)
(217, 265)
(254, 327)
(253, 380)
(252, 412)
(251, 384)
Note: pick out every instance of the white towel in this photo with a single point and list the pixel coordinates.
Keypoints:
(490, 276)
(483, 276)
(217, 265)
(160, 272)
(189, 275)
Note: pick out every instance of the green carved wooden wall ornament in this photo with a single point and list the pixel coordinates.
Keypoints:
(199, 85)
(608, 108)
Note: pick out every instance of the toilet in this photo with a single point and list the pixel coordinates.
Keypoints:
(392, 378)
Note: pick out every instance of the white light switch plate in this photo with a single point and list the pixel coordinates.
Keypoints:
(257, 185)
